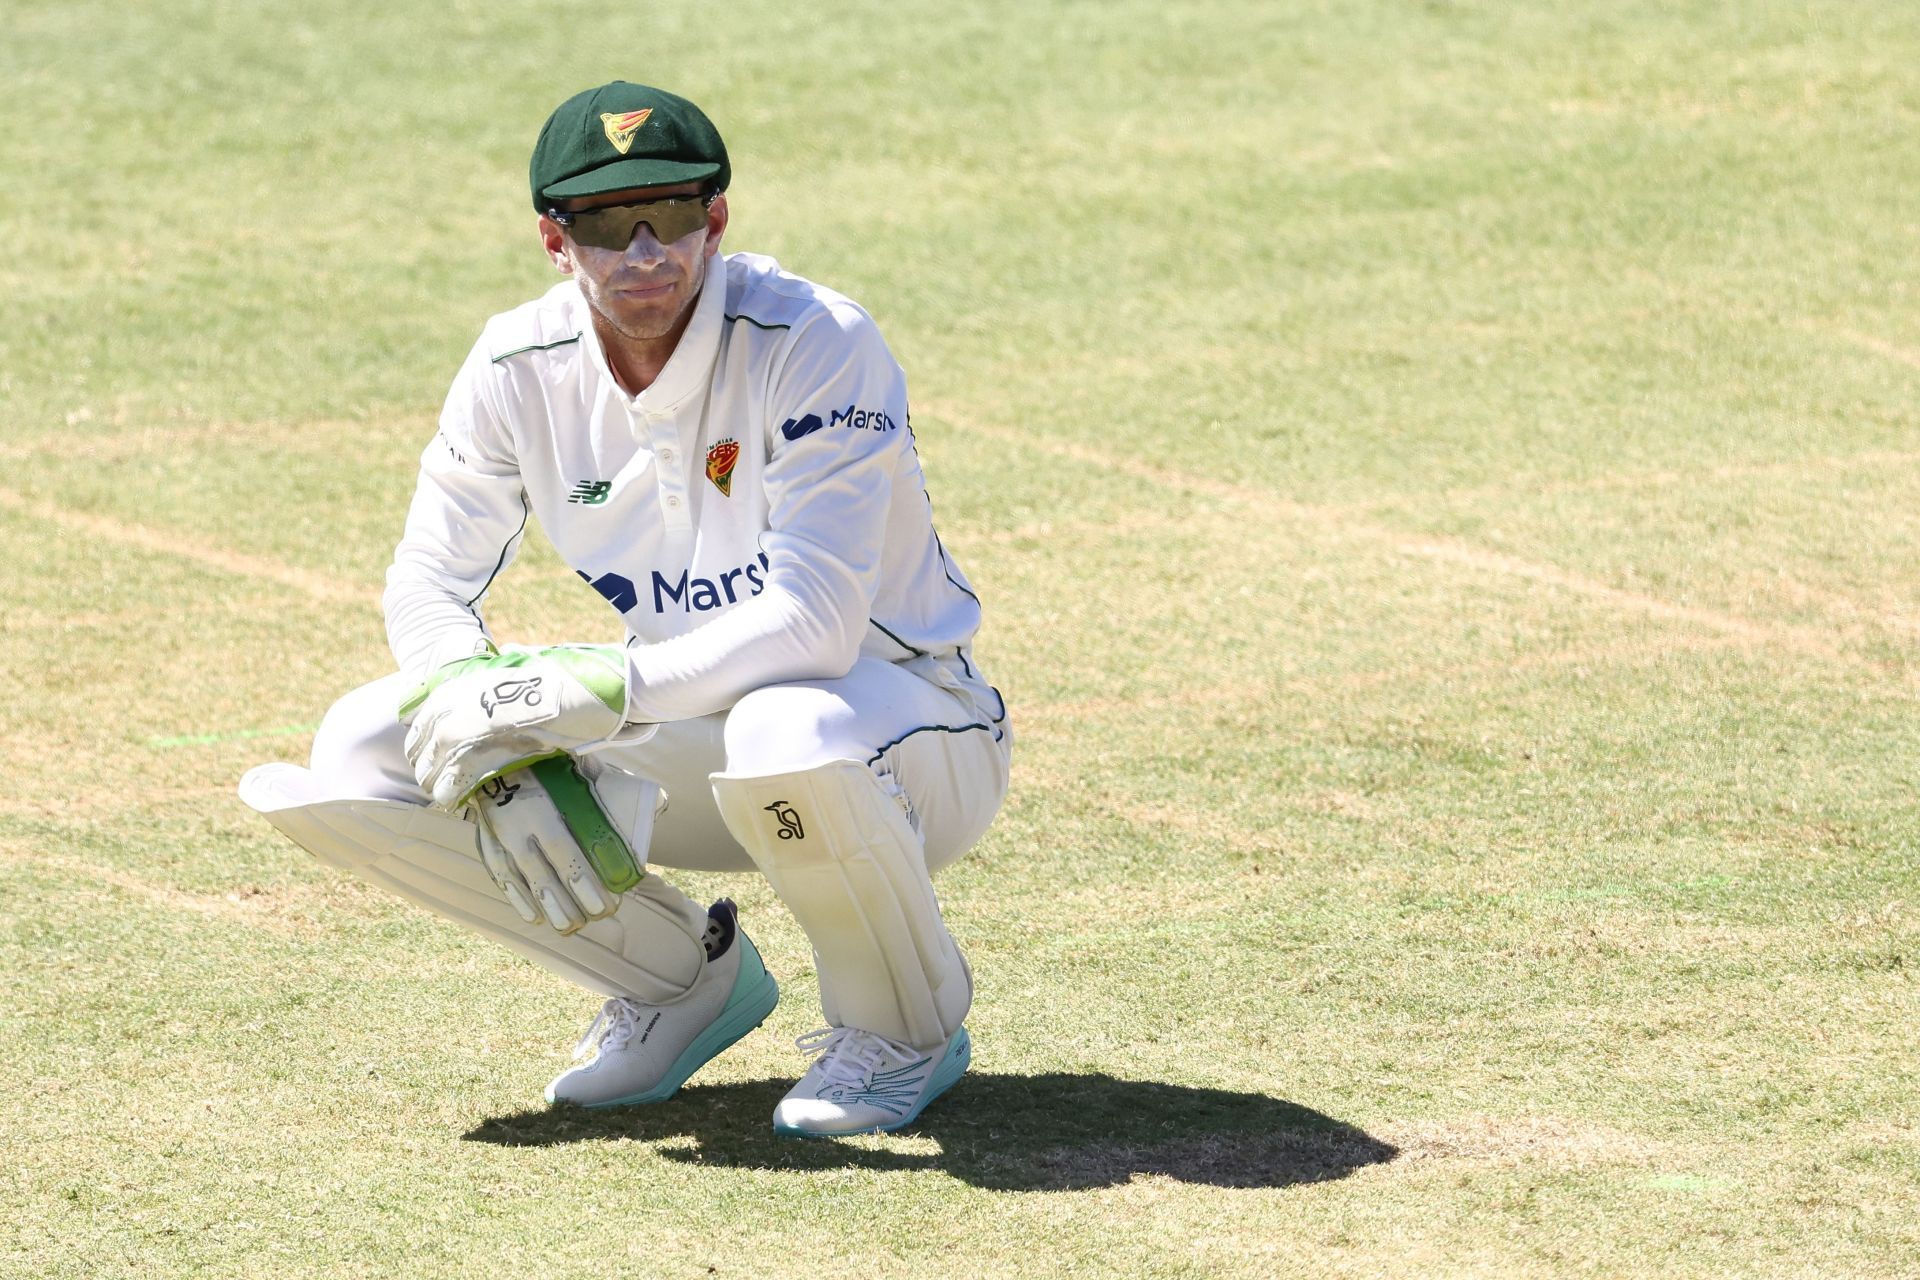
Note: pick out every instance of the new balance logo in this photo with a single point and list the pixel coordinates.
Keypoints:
(591, 493)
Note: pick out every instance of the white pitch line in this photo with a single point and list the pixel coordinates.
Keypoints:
(116, 442)
(253, 911)
(1636, 481)
(1879, 346)
(1451, 550)
(1334, 684)
(319, 586)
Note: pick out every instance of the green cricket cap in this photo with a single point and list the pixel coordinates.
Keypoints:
(624, 135)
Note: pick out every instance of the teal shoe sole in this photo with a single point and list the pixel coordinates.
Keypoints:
(755, 993)
(954, 1065)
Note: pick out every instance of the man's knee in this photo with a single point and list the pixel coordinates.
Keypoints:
(784, 727)
(359, 751)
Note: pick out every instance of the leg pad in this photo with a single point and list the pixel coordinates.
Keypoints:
(649, 949)
(838, 848)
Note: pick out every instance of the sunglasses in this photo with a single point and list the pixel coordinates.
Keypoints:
(612, 227)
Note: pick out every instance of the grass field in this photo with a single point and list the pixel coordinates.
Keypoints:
(1446, 484)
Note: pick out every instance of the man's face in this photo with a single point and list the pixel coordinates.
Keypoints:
(645, 291)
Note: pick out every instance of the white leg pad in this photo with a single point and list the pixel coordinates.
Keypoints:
(650, 949)
(840, 852)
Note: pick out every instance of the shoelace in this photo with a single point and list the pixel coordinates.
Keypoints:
(611, 1029)
(850, 1056)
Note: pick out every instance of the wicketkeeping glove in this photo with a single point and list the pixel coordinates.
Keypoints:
(548, 844)
(481, 717)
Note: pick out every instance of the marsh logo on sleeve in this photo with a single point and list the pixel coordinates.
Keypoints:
(853, 417)
(621, 128)
(720, 461)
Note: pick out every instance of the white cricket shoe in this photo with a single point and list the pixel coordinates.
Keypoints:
(645, 1052)
(865, 1083)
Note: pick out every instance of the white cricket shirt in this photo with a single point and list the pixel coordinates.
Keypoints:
(756, 515)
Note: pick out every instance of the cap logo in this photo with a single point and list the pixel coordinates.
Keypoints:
(621, 128)
(720, 461)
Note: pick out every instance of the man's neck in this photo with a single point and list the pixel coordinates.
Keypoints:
(636, 362)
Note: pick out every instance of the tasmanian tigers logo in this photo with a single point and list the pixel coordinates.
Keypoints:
(621, 128)
(720, 461)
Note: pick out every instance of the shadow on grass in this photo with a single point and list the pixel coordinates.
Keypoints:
(1006, 1132)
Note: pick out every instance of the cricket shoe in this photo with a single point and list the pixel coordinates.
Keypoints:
(865, 1083)
(645, 1052)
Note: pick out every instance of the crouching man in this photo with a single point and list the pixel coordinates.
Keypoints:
(722, 450)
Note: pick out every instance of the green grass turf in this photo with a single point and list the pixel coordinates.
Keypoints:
(1443, 476)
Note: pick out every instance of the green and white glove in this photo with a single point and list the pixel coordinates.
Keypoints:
(484, 716)
(549, 844)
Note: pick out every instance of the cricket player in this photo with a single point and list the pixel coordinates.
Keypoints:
(720, 449)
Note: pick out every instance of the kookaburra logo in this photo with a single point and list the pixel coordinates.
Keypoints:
(500, 791)
(790, 828)
(527, 691)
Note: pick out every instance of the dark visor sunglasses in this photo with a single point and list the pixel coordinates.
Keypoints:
(612, 227)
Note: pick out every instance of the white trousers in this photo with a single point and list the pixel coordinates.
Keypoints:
(929, 727)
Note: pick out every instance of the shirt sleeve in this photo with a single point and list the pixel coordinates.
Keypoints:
(464, 526)
(835, 434)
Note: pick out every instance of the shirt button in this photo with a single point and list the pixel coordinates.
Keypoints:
(666, 455)
(673, 501)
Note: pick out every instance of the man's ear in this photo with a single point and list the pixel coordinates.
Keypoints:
(716, 223)
(554, 241)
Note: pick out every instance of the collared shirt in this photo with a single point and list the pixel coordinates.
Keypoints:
(756, 515)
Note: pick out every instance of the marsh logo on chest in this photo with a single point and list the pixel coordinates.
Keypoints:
(614, 588)
(688, 594)
(720, 463)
